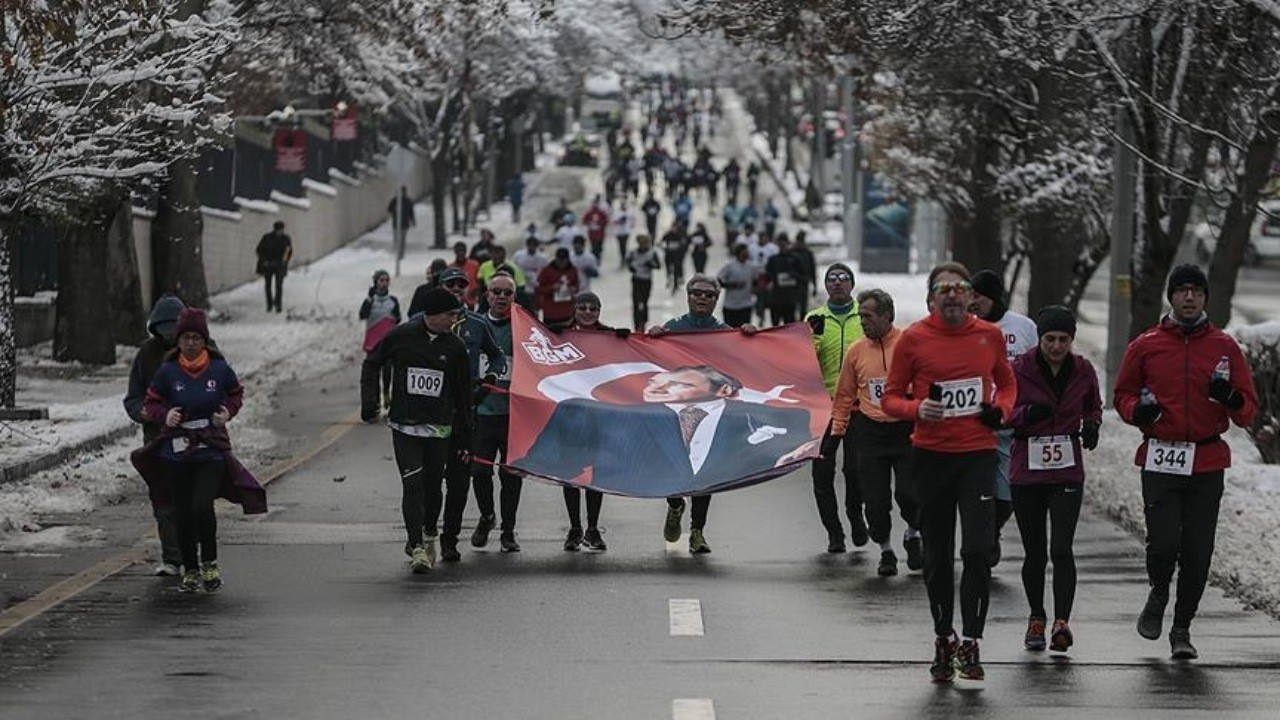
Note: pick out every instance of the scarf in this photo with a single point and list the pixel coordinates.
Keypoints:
(196, 366)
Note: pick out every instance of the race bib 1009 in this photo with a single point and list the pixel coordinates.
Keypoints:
(961, 398)
(425, 381)
(1050, 453)
(1175, 458)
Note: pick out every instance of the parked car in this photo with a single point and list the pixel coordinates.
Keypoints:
(1264, 236)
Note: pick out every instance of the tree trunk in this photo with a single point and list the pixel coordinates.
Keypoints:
(1055, 246)
(84, 329)
(129, 316)
(8, 335)
(978, 236)
(177, 247)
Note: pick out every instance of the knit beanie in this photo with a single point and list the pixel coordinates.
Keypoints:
(989, 285)
(193, 320)
(587, 298)
(164, 315)
(380, 273)
(838, 266)
(1055, 318)
(438, 300)
(1186, 275)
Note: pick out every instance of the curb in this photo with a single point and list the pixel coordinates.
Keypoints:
(18, 471)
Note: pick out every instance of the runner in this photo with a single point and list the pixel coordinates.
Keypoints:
(380, 312)
(641, 262)
(1058, 412)
(674, 248)
(588, 265)
(1019, 337)
(623, 224)
(557, 284)
(1183, 383)
(702, 294)
(885, 442)
(430, 412)
(835, 327)
(951, 376)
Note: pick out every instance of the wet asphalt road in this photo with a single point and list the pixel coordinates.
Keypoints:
(321, 619)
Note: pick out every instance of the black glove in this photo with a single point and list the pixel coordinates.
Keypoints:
(1223, 391)
(991, 417)
(830, 444)
(1089, 435)
(1038, 411)
(623, 333)
(1146, 414)
(935, 392)
(489, 379)
(816, 323)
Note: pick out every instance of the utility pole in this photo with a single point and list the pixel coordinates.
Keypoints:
(850, 172)
(1122, 212)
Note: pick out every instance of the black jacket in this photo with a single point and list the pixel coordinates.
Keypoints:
(274, 251)
(441, 392)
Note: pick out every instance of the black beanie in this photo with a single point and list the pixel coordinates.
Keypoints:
(438, 300)
(838, 266)
(1055, 318)
(988, 284)
(1186, 275)
(586, 297)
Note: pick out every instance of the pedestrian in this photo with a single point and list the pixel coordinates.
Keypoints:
(623, 223)
(1183, 383)
(194, 394)
(738, 278)
(683, 207)
(1057, 415)
(884, 442)
(753, 182)
(809, 280)
(732, 180)
(699, 245)
(401, 211)
(162, 326)
(989, 303)
(498, 263)
(480, 251)
(770, 215)
(674, 248)
(703, 292)
(515, 196)
(783, 270)
(380, 312)
(274, 251)
(492, 423)
(950, 375)
(530, 260)
(641, 263)
(836, 327)
(596, 220)
(430, 413)
(560, 213)
(588, 265)
(732, 216)
(557, 285)
(651, 208)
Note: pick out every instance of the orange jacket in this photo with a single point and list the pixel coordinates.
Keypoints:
(931, 351)
(865, 366)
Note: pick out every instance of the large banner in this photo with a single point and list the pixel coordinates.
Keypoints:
(686, 413)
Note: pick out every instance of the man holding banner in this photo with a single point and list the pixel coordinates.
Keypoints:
(493, 418)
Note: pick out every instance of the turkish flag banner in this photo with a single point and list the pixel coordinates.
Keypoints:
(685, 413)
(291, 151)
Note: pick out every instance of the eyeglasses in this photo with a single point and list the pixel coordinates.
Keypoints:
(951, 287)
(839, 277)
(708, 294)
(501, 292)
(1195, 290)
(589, 308)
(457, 284)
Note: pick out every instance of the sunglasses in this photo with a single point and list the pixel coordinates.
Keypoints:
(502, 292)
(457, 284)
(589, 308)
(709, 294)
(839, 277)
(951, 287)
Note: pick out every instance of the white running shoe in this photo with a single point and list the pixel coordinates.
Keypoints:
(165, 569)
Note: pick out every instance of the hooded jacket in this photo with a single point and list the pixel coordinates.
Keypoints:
(149, 358)
(1081, 402)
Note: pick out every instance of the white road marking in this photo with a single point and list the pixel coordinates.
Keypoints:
(692, 709)
(686, 617)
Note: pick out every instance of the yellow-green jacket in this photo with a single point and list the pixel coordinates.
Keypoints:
(831, 344)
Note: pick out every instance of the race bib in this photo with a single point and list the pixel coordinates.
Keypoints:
(425, 381)
(180, 444)
(1050, 453)
(1175, 458)
(961, 398)
(562, 294)
(875, 388)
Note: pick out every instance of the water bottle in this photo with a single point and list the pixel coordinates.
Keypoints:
(1222, 369)
(1147, 397)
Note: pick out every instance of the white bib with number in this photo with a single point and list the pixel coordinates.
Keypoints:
(562, 293)
(961, 398)
(425, 381)
(1050, 453)
(875, 388)
(1175, 458)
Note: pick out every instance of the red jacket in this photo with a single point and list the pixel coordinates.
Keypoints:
(1177, 366)
(1081, 400)
(931, 351)
(597, 221)
(556, 290)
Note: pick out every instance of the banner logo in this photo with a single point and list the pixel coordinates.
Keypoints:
(541, 351)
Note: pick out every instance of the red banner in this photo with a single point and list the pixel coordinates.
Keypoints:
(686, 413)
(344, 124)
(291, 150)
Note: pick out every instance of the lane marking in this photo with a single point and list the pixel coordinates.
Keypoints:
(692, 709)
(62, 591)
(686, 617)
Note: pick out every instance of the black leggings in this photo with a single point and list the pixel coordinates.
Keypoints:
(491, 439)
(698, 517)
(192, 490)
(573, 504)
(421, 462)
(946, 482)
(1182, 525)
(1059, 506)
(641, 289)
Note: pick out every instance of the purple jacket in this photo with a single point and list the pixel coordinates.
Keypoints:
(1081, 401)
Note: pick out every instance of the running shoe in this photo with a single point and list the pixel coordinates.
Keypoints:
(698, 543)
(835, 542)
(943, 668)
(968, 665)
(671, 528)
(420, 562)
(1180, 644)
(888, 564)
(507, 540)
(484, 526)
(211, 577)
(1151, 621)
(573, 540)
(449, 549)
(190, 582)
(858, 532)
(594, 541)
(165, 569)
(1034, 639)
(915, 552)
(1060, 639)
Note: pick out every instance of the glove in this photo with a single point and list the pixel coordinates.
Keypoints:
(1038, 412)
(1089, 435)
(1223, 391)
(991, 417)
(1146, 414)
(816, 323)
(830, 444)
(935, 391)
(623, 333)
